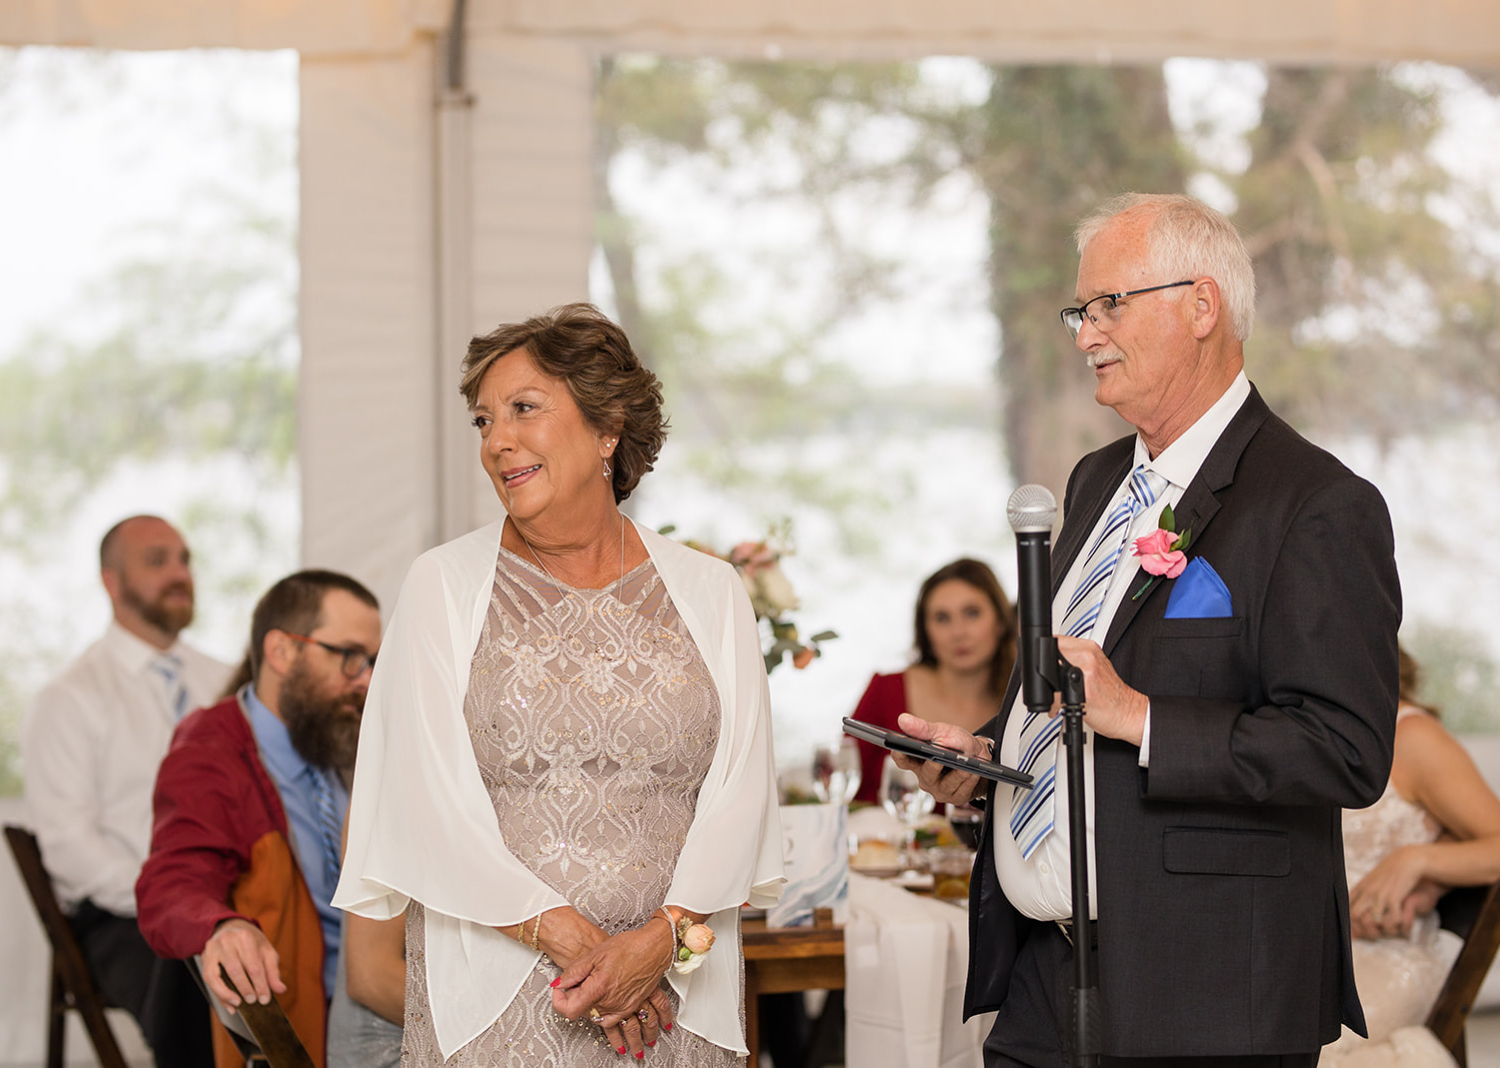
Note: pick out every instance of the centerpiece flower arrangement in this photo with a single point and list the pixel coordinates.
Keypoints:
(771, 595)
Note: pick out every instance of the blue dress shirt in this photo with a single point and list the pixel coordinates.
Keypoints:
(293, 778)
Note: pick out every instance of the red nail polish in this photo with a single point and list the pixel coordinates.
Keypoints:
(651, 1044)
(554, 982)
(666, 1027)
(620, 1050)
(641, 1055)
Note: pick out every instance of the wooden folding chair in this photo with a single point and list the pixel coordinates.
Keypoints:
(72, 984)
(1472, 913)
(262, 1032)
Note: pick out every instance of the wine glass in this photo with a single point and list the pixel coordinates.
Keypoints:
(903, 797)
(966, 822)
(836, 773)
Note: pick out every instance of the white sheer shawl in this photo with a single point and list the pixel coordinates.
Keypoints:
(422, 826)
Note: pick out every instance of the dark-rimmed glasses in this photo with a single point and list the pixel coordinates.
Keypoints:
(355, 661)
(1107, 316)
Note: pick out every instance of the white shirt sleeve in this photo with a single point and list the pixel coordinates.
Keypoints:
(61, 748)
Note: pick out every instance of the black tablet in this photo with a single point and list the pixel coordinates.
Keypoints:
(897, 742)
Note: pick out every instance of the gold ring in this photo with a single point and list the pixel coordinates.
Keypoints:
(643, 1016)
(594, 1015)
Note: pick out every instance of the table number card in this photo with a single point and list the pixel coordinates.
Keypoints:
(816, 843)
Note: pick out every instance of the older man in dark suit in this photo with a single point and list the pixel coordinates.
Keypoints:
(1235, 703)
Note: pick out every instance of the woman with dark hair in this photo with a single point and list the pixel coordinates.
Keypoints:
(565, 776)
(1437, 825)
(965, 649)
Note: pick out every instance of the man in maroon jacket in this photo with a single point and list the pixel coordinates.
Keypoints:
(249, 803)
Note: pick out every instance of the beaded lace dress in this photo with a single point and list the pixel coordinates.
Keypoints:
(593, 720)
(1399, 977)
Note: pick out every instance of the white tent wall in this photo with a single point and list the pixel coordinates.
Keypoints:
(365, 389)
(389, 464)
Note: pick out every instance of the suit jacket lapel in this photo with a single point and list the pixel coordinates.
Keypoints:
(1200, 501)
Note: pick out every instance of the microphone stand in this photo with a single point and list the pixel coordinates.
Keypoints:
(1068, 681)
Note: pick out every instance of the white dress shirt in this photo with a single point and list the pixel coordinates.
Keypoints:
(1042, 887)
(90, 746)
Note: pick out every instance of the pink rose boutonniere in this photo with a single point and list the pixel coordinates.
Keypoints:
(1163, 551)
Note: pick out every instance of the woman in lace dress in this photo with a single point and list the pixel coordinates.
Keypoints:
(565, 758)
(1437, 825)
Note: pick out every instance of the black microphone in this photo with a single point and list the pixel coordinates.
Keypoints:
(1031, 510)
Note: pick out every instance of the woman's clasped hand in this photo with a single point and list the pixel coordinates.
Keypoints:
(617, 983)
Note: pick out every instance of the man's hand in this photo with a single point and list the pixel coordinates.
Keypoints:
(945, 784)
(1111, 708)
(249, 959)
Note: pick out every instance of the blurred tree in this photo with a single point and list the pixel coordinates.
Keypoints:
(1376, 314)
(177, 367)
(1373, 310)
(1065, 138)
(196, 371)
(741, 380)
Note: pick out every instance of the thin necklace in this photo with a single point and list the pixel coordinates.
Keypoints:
(619, 588)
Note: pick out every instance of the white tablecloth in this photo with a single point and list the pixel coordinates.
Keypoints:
(905, 961)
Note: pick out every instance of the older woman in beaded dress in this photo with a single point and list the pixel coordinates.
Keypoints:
(565, 774)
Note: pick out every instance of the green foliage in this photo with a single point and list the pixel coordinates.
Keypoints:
(1459, 677)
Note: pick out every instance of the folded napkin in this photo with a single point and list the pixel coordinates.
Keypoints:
(1199, 593)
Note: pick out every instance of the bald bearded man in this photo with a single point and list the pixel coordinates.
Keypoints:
(91, 744)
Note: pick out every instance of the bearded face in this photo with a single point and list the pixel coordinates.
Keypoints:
(322, 720)
(171, 609)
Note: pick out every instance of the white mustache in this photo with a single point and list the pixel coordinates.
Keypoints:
(1099, 359)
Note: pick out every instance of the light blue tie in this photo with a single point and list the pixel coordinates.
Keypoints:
(1032, 811)
(169, 667)
(328, 822)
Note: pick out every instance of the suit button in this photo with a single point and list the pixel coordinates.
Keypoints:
(1044, 868)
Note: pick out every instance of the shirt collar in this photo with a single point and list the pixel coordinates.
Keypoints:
(1179, 462)
(133, 653)
(276, 749)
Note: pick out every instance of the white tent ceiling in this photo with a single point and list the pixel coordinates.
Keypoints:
(428, 215)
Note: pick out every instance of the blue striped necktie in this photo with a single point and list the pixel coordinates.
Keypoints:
(1032, 811)
(169, 667)
(328, 822)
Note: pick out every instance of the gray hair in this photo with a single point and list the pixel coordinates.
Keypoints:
(1188, 239)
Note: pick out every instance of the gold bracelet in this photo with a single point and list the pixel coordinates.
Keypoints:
(536, 933)
(663, 914)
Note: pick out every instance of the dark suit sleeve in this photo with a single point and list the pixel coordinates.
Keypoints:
(1323, 645)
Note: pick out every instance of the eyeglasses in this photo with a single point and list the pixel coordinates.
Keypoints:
(1107, 316)
(355, 660)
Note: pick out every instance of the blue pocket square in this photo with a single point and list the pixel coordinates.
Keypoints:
(1199, 593)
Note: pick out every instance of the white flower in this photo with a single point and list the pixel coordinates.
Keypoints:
(776, 591)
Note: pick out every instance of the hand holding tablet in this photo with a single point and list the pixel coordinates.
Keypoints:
(897, 742)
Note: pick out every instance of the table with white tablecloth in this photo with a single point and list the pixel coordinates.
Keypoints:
(906, 958)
